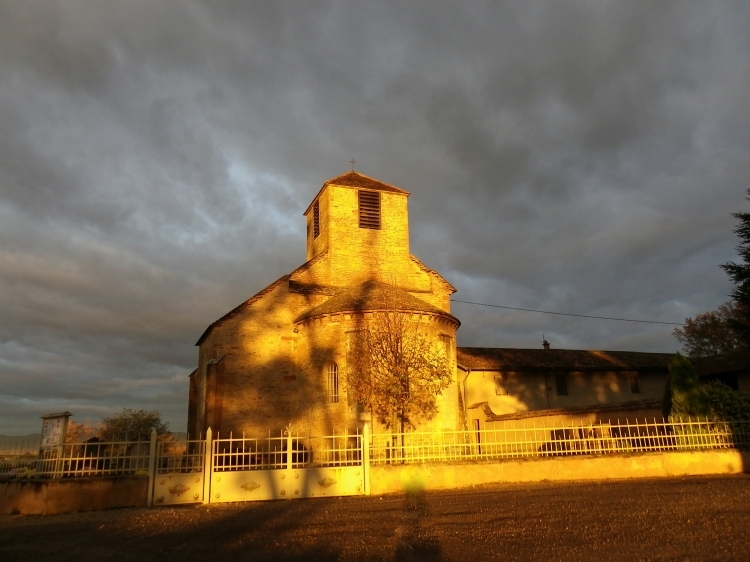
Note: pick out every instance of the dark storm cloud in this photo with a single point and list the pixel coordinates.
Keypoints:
(155, 159)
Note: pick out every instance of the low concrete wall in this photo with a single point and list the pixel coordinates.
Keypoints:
(48, 497)
(397, 478)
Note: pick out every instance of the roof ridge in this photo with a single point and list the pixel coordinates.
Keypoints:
(355, 180)
(366, 177)
(309, 263)
(526, 359)
(426, 269)
(563, 349)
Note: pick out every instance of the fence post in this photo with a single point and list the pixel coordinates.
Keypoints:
(151, 469)
(366, 458)
(208, 466)
(288, 462)
(59, 461)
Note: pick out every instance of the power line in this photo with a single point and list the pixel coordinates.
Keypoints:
(568, 314)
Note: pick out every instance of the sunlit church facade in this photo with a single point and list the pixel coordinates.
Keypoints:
(280, 357)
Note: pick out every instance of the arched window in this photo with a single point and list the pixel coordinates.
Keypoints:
(333, 382)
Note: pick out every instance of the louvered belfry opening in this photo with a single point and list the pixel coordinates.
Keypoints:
(369, 209)
(316, 219)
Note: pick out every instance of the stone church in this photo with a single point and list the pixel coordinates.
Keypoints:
(280, 356)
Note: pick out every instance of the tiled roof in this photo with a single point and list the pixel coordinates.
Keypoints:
(257, 296)
(236, 310)
(508, 359)
(355, 179)
(371, 296)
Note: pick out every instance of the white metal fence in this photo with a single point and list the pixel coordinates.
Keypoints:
(299, 465)
(18, 456)
(94, 458)
(245, 453)
(180, 456)
(526, 439)
(288, 466)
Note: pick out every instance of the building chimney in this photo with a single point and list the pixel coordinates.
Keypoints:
(545, 343)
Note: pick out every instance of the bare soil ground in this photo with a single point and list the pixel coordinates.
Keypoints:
(705, 518)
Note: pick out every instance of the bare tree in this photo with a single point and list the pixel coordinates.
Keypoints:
(396, 370)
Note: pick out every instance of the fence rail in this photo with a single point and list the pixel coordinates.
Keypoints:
(18, 455)
(25, 459)
(76, 460)
(180, 456)
(526, 440)
(241, 453)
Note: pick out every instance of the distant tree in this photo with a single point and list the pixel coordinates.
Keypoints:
(396, 370)
(740, 275)
(711, 333)
(131, 424)
(684, 395)
(81, 431)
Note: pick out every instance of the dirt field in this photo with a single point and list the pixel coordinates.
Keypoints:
(666, 519)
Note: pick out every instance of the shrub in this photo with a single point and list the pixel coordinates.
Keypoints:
(725, 403)
(685, 395)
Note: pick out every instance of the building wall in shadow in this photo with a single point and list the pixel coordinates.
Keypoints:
(509, 383)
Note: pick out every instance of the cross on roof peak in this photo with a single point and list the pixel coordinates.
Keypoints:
(353, 161)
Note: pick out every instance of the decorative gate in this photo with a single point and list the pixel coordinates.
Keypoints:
(179, 474)
(287, 467)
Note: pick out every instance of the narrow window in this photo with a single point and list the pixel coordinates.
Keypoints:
(316, 220)
(562, 384)
(635, 386)
(445, 343)
(333, 383)
(369, 209)
(501, 384)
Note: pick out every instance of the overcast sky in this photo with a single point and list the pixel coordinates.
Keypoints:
(156, 158)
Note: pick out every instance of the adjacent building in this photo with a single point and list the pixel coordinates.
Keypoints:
(500, 384)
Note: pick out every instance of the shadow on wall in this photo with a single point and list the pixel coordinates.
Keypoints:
(50, 497)
(274, 395)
